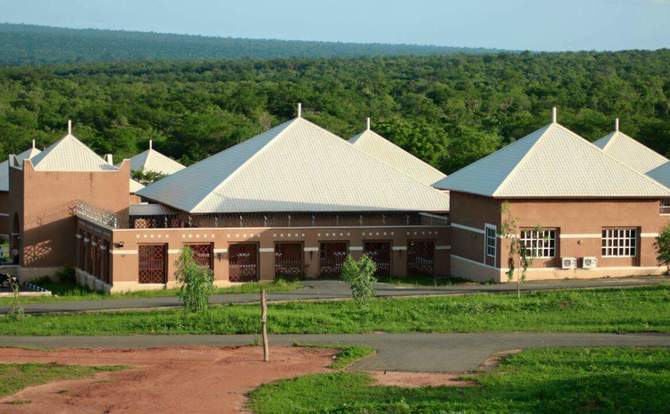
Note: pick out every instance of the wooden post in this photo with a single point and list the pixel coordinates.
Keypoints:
(264, 326)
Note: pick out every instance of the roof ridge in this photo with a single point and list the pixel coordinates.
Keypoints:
(613, 135)
(525, 156)
(246, 162)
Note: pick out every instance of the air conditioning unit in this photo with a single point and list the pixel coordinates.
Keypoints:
(568, 263)
(589, 262)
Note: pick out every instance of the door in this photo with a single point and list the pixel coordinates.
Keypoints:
(243, 262)
(203, 254)
(153, 263)
(332, 256)
(420, 257)
(288, 259)
(380, 253)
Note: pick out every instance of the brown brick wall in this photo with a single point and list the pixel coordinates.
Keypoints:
(43, 202)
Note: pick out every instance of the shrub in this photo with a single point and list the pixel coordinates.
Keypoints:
(196, 283)
(360, 274)
(663, 247)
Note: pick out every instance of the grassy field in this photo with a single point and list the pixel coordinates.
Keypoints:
(14, 377)
(550, 380)
(66, 289)
(609, 310)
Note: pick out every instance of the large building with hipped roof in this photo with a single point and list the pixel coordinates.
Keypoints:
(296, 200)
(579, 211)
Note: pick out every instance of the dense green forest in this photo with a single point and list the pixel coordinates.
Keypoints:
(22, 44)
(448, 110)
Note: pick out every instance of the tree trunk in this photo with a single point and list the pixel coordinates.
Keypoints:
(264, 326)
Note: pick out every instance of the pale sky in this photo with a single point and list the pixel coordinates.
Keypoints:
(505, 24)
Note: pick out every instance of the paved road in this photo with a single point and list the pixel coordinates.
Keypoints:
(412, 352)
(332, 289)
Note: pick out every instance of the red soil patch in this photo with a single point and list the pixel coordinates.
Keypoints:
(163, 380)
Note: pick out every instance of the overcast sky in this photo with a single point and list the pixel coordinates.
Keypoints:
(506, 24)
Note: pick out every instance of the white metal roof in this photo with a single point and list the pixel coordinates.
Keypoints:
(70, 154)
(152, 160)
(4, 166)
(552, 162)
(295, 166)
(135, 186)
(630, 151)
(377, 146)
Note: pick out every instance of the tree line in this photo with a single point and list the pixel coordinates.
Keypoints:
(447, 110)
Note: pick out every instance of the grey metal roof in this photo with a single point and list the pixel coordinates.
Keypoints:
(630, 151)
(295, 166)
(552, 162)
(386, 151)
(146, 209)
(4, 166)
(70, 154)
(152, 160)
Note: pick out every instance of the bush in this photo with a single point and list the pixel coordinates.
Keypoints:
(196, 283)
(361, 276)
(663, 247)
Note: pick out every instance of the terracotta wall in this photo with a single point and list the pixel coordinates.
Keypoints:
(125, 263)
(43, 202)
(473, 211)
(579, 225)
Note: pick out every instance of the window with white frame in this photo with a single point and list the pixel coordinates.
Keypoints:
(539, 243)
(619, 242)
(665, 206)
(491, 236)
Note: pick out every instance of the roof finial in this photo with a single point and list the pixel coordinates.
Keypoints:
(69, 127)
(33, 144)
(616, 125)
(151, 144)
(367, 123)
(554, 115)
(299, 109)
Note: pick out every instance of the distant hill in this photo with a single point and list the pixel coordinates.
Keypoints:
(22, 44)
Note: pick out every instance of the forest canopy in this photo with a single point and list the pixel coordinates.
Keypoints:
(447, 110)
(24, 44)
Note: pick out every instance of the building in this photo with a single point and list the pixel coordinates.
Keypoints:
(629, 151)
(297, 199)
(152, 160)
(45, 192)
(384, 150)
(578, 210)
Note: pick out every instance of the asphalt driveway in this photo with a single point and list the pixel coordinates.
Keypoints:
(334, 289)
(411, 352)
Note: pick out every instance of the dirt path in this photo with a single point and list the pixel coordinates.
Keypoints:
(163, 380)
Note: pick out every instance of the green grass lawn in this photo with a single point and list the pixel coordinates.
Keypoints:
(550, 380)
(14, 377)
(65, 288)
(644, 309)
